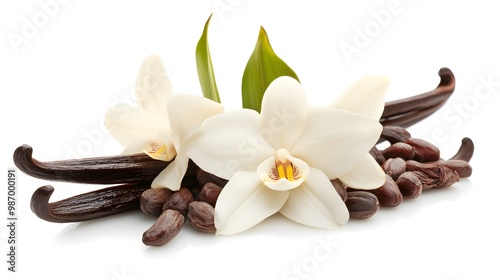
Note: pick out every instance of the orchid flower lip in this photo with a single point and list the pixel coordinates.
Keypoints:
(160, 151)
(282, 172)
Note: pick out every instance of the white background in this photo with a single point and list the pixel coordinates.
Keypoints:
(83, 57)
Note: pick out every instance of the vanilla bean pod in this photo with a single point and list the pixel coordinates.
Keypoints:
(88, 206)
(408, 111)
(466, 150)
(97, 170)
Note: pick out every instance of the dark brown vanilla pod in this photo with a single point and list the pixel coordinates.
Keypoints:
(466, 150)
(408, 111)
(98, 170)
(88, 206)
(462, 167)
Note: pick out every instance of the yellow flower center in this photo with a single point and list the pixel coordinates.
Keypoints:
(284, 168)
(159, 151)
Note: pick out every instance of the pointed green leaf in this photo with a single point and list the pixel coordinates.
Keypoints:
(262, 68)
(205, 69)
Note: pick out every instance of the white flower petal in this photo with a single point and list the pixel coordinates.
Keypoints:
(153, 86)
(283, 184)
(365, 175)
(187, 112)
(244, 202)
(334, 141)
(264, 168)
(366, 97)
(136, 147)
(171, 177)
(316, 203)
(227, 143)
(284, 112)
(128, 124)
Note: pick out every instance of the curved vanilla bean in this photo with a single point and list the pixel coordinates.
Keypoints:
(407, 111)
(411, 118)
(88, 206)
(97, 170)
(466, 150)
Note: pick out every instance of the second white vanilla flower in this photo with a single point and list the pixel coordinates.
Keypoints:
(154, 126)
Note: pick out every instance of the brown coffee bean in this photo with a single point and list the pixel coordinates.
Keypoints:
(361, 204)
(179, 201)
(377, 155)
(424, 150)
(388, 194)
(195, 190)
(400, 149)
(152, 200)
(395, 134)
(409, 185)
(204, 177)
(166, 227)
(201, 216)
(209, 193)
(340, 188)
(394, 167)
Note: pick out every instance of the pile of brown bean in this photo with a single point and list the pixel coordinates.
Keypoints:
(411, 166)
(195, 201)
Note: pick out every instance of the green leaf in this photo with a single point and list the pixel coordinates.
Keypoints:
(204, 65)
(263, 67)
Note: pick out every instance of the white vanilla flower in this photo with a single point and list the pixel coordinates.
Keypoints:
(282, 159)
(156, 128)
